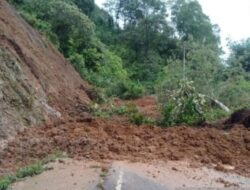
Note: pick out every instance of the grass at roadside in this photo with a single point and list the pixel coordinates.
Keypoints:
(21, 173)
(29, 171)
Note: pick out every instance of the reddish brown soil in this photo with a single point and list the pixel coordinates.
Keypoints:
(42, 64)
(116, 139)
(146, 105)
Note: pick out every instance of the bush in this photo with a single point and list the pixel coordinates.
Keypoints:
(234, 93)
(5, 182)
(29, 171)
(122, 110)
(133, 114)
(167, 115)
(183, 106)
(130, 90)
(215, 114)
(136, 117)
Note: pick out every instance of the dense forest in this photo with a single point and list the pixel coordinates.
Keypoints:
(132, 48)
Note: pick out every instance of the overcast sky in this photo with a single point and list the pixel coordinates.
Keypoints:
(232, 16)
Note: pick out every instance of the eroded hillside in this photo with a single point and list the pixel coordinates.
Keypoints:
(36, 82)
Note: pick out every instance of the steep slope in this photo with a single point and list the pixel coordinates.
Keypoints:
(36, 83)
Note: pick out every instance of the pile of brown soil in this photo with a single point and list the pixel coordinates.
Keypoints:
(116, 139)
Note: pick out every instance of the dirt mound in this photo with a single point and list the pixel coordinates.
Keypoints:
(240, 117)
(36, 82)
(116, 139)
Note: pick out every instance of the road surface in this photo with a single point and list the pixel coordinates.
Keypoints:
(84, 175)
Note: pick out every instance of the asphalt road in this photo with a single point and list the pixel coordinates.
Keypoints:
(80, 175)
(121, 179)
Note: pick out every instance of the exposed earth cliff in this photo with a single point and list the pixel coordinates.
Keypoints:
(36, 82)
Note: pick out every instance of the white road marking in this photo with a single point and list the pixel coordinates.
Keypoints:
(119, 181)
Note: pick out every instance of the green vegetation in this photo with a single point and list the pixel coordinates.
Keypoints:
(130, 110)
(135, 116)
(5, 182)
(136, 47)
(31, 170)
(64, 23)
(183, 106)
(28, 171)
(215, 114)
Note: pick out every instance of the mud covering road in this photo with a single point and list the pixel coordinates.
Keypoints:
(117, 139)
(120, 175)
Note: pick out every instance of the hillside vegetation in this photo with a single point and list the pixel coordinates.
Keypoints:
(136, 47)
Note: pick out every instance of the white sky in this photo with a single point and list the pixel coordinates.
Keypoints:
(232, 16)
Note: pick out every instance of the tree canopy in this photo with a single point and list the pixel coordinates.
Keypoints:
(190, 21)
(240, 54)
(136, 46)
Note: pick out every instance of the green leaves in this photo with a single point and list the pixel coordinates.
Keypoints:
(32, 170)
(5, 182)
(144, 36)
(240, 56)
(191, 21)
(65, 24)
(143, 47)
(87, 6)
(183, 105)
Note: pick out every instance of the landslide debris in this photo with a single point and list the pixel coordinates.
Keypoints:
(36, 83)
(117, 139)
(38, 86)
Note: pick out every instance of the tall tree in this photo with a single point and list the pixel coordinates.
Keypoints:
(190, 20)
(143, 22)
(87, 6)
(240, 54)
(145, 34)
